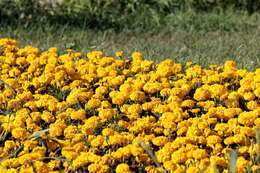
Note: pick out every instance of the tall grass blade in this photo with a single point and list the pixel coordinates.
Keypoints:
(258, 145)
(39, 133)
(233, 161)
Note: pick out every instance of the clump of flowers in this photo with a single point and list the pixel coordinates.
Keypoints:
(70, 112)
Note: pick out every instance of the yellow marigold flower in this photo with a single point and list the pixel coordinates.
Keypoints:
(164, 70)
(219, 161)
(201, 94)
(240, 139)
(160, 141)
(257, 122)
(231, 112)
(10, 60)
(29, 144)
(78, 115)
(14, 104)
(158, 130)
(134, 108)
(102, 90)
(20, 133)
(25, 96)
(188, 64)
(95, 55)
(165, 92)
(199, 154)
(119, 53)
(182, 131)
(160, 108)
(223, 129)
(252, 105)
(52, 50)
(229, 140)
(98, 141)
(193, 169)
(247, 131)
(47, 117)
(117, 139)
(69, 50)
(26, 158)
(9, 145)
(123, 168)
(229, 69)
(150, 169)
(106, 104)
(138, 96)
(146, 65)
(116, 81)
(93, 103)
(104, 169)
(39, 151)
(107, 132)
(119, 99)
(242, 164)
(195, 110)
(13, 163)
(56, 129)
(255, 168)
(121, 153)
(26, 169)
(106, 114)
(53, 164)
(94, 167)
(164, 154)
(217, 90)
(14, 72)
(179, 156)
(84, 158)
(136, 150)
(80, 146)
(213, 139)
(152, 87)
(169, 166)
(248, 96)
(243, 150)
(247, 118)
(41, 167)
(137, 56)
(68, 153)
(257, 92)
(206, 104)
(90, 124)
(234, 95)
(188, 103)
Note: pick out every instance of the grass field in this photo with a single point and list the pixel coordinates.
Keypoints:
(203, 38)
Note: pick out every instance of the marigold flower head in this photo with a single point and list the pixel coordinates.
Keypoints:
(78, 115)
(201, 94)
(137, 96)
(160, 141)
(137, 56)
(20, 133)
(119, 53)
(123, 168)
(98, 141)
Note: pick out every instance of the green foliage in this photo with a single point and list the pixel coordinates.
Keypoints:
(112, 13)
(57, 92)
(203, 38)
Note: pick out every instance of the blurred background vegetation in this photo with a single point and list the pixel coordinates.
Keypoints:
(201, 31)
(116, 14)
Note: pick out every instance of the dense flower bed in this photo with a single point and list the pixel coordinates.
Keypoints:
(67, 112)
